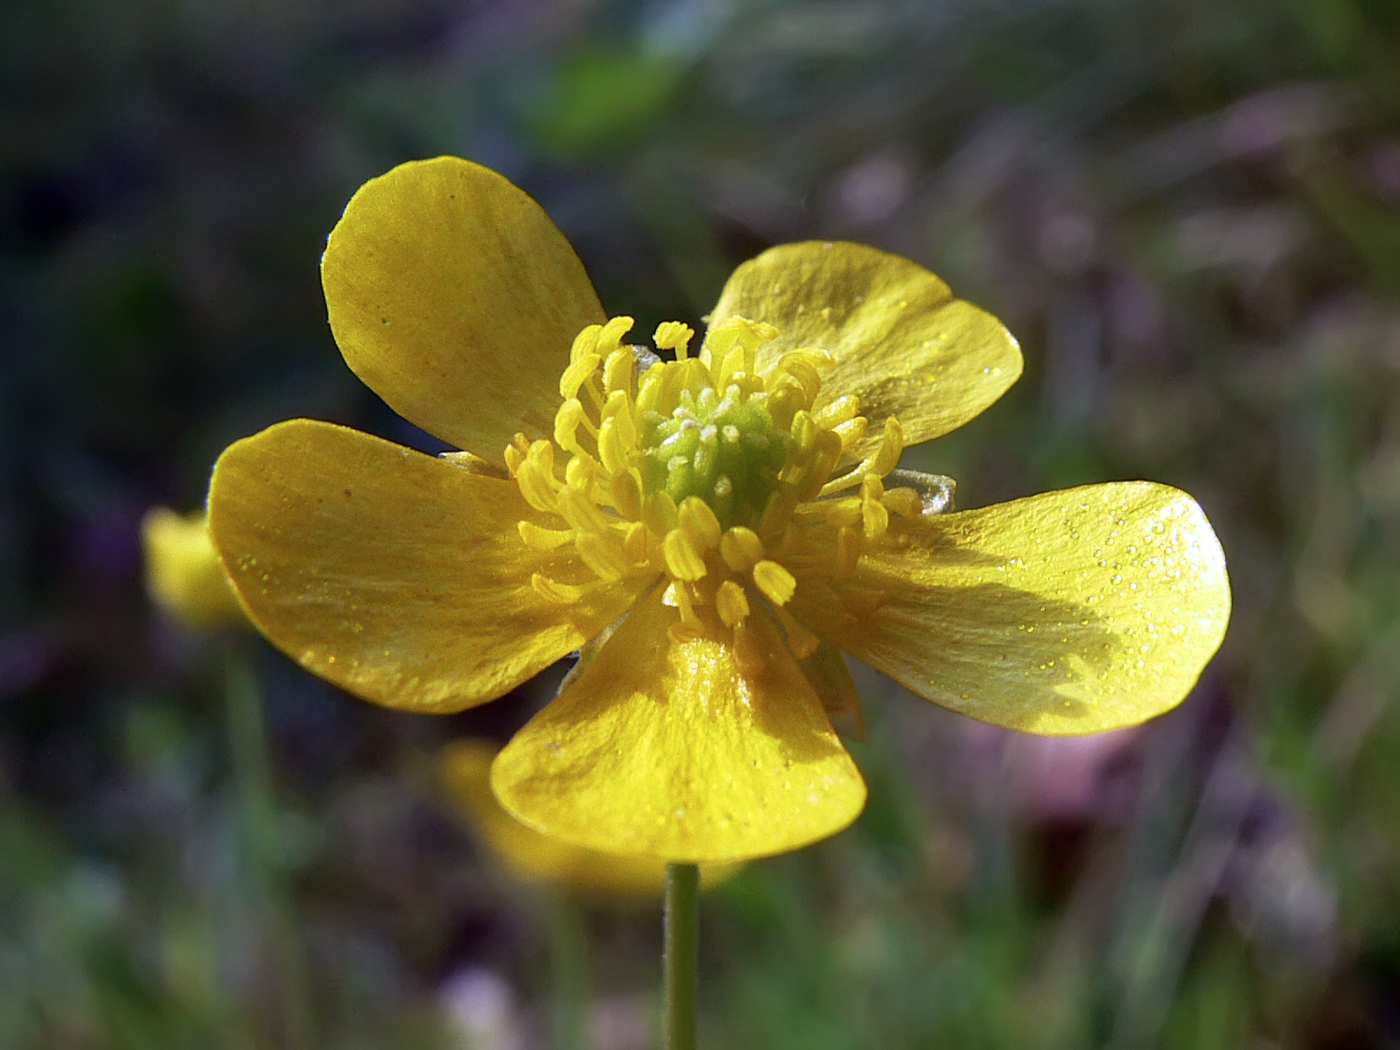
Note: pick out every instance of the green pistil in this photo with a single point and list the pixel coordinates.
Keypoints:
(726, 451)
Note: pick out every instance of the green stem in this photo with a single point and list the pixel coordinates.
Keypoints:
(261, 833)
(681, 963)
(568, 949)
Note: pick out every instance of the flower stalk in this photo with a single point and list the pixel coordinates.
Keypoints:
(681, 977)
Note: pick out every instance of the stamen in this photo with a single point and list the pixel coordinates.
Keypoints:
(672, 335)
(844, 409)
(574, 376)
(659, 513)
(610, 335)
(626, 492)
(903, 501)
(776, 583)
(584, 342)
(683, 561)
(741, 549)
(731, 603)
(878, 463)
(666, 462)
(535, 475)
(699, 523)
(677, 594)
(801, 641)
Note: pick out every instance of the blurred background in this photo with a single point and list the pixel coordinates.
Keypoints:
(1187, 211)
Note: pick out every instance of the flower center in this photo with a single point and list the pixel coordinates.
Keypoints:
(718, 447)
(707, 469)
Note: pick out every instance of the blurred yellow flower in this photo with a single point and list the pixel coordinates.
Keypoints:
(184, 576)
(532, 857)
(709, 531)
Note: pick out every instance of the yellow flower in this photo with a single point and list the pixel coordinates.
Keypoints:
(532, 857)
(183, 574)
(710, 531)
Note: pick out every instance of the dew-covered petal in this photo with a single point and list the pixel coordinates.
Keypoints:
(398, 576)
(902, 343)
(682, 751)
(530, 856)
(456, 300)
(1069, 612)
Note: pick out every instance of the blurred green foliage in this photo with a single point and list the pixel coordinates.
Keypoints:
(1189, 212)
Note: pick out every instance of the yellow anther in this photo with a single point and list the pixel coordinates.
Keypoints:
(556, 592)
(801, 641)
(851, 432)
(659, 513)
(785, 398)
(581, 473)
(618, 370)
(818, 468)
(695, 376)
(626, 489)
(905, 502)
(566, 423)
(535, 475)
(649, 389)
(584, 342)
(749, 335)
(619, 407)
(683, 561)
(871, 487)
(804, 371)
(842, 512)
(741, 549)
(541, 539)
(602, 553)
(879, 463)
(891, 448)
(577, 372)
(515, 452)
(875, 519)
(672, 335)
(699, 523)
(844, 409)
(731, 603)
(610, 335)
(776, 583)
(613, 445)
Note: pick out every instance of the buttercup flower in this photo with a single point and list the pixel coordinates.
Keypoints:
(710, 531)
(532, 857)
(183, 574)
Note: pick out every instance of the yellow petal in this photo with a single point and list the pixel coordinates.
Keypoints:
(1069, 612)
(532, 857)
(902, 343)
(674, 750)
(456, 299)
(183, 573)
(398, 576)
